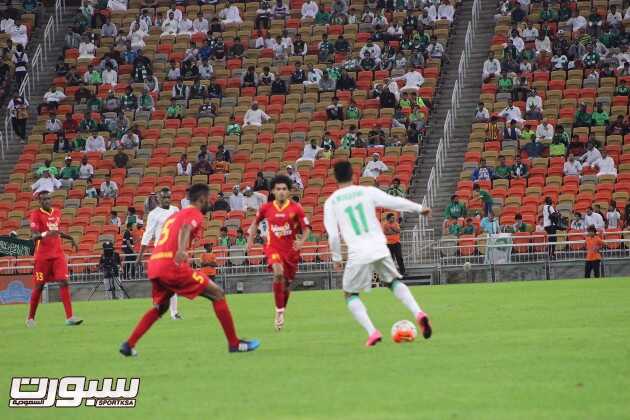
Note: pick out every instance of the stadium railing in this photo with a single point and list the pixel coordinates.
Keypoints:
(36, 68)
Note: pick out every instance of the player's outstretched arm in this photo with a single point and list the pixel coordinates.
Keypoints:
(69, 238)
(251, 234)
(147, 237)
(383, 200)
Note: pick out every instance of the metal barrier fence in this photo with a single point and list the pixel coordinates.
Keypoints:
(36, 68)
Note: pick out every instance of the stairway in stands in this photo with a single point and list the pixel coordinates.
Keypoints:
(45, 80)
(470, 98)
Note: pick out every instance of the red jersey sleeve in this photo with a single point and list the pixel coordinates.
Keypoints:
(261, 214)
(36, 223)
(302, 220)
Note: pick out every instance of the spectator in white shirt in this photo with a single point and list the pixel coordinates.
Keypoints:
(109, 189)
(372, 49)
(87, 49)
(230, 15)
(253, 199)
(311, 151)
(544, 131)
(255, 116)
(445, 11)
(313, 76)
(375, 167)
(174, 73)
(185, 26)
(594, 219)
(309, 9)
(19, 34)
(95, 143)
(612, 217)
(534, 101)
(129, 140)
(201, 24)
(177, 14)
(109, 75)
(86, 170)
(491, 68)
(53, 124)
(605, 164)
(530, 33)
(572, 167)
(577, 22)
(184, 167)
(47, 182)
(511, 112)
(614, 17)
(413, 79)
(237, 200)
(54, 96)
(295, 177)
(170, 25)
(481, 113)
(109, 29)
(543, 44)
(592, 154)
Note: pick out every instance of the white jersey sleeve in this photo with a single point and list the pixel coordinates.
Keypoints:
(383, 200)
(149, 232)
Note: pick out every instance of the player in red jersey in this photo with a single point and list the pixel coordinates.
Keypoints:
(50, 262)
(170, 273)
(285, 219)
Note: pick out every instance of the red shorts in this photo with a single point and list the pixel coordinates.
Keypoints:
(288, 259)
(52, 269)
(169, 278)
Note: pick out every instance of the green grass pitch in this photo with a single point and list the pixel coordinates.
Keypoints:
(527, 350)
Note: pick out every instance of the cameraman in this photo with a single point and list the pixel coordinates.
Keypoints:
(110, 266)
(129, 267)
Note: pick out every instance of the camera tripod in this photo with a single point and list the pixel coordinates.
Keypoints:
(110, 282)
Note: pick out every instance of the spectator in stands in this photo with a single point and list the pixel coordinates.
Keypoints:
(52, 98)
(311, 152)
(613, 217)
(313, 76)
(295, 177)
(326, 84)
(237, 199)
(491, 68)
(502, 171)
(490, 225)
(249, 78)
(86, 170)
(18, 111)
(377, 136)
(121, 159)
(95, 143)
(481, 113)
(375, 167)
(47, 166)
(594, 219)
(207, 109)
(221, 203)
(482, 172)
(223, 154)
(455, 209)
(511, 112)
(544, 131)
(484, 196)
(578, 222)
(572, 166)
(280, 10)
(557, 148)
(519, 169)
(151, 202)
(582, 117)
(255, 116)
(261, 183)
(599, 117)
(200, 24)
(334, 111)
(184, 167)
(47, 182)
(617, 127)
(175, 109)
(591, 155)
(109, 29)
(519, 225)
(20, 63)
(129, 101)
(224, 240)
(146, 102)
(129, 141)
(53, 124)
(68, 173)
(180, 91)
(109, 188)
(19, 34)
(62, 144)
(534, 149)
(253, 199)
(202, 167)
(230, 15)
(174, 72)
(605, 164)
(512, 132)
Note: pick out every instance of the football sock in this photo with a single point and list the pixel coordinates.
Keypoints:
(36, 294)
(287, 293)
(403, 294)
(359, 312)
(173, 305)
(143, 326)
(224, 316)
(279, 295)
(64, 293)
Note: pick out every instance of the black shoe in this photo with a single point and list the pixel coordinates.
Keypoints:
(127, 350)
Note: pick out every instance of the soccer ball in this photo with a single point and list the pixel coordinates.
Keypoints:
(467, 266)
(404, 331)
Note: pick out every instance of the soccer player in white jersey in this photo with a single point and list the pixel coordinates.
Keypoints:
(155, 221)
(350, 214)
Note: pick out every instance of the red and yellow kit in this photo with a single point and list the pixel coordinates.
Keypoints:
(50, 261)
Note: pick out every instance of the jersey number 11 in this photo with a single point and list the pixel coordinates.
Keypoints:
(352, 215)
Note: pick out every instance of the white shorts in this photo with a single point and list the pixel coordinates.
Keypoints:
(358, 277)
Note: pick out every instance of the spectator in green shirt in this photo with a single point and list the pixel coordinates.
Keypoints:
(395, 189)
(240, 240)
(452, 228)
(469, 227)
(224, 239)
(502, 171)
(561, 135)
(527, 134)
(505, 83)
(591, 59)
(548, 14)
(519, 225)
(455, 209)
(349, 139)
(233, 128)
(622, 89)
(485, 197)
(599, 117)
(69, 171)
(322, 17)
(557, 148)
(87, 124)
(582, 117)
(174, 110)
(47, 166)
(94, 104)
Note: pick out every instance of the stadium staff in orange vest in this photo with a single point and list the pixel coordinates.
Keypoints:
(593, 257)
(391, 229)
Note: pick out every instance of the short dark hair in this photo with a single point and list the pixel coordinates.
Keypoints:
(197, 191)
(281, 179)
(592, 229)
(343, 171)
(165, 190)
